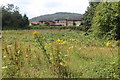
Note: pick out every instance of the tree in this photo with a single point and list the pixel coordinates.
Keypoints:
(6, 16)
(16, 19)
(89, 14)
(106, 20)
(12, 18)
(25, 20)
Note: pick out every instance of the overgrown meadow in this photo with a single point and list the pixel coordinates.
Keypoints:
(57, 54)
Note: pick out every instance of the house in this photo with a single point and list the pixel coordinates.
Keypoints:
(47, 22)
(69, 22)
(59, 22)
(75, 22)
(33, 23)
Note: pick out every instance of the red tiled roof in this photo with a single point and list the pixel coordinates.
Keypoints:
(34, 22)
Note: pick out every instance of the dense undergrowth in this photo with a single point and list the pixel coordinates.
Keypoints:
(58, 54)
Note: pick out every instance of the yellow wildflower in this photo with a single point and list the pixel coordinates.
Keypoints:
(58, 40)
(64, 42)
(71, 47)
(108, 44)
(61, 41)
(53, 63)
(35, 32)
(51, 58)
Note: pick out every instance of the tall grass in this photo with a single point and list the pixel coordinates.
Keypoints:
(57, 54)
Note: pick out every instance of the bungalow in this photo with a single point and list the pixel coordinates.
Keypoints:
(33, 23)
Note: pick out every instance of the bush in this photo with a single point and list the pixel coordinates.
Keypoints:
(106, 20)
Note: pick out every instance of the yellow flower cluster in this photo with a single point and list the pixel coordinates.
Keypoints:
(61, 42)
(71, 47)
(108, 44)
(53, 63)
(35, 32)
(64, 42)
(51, 58)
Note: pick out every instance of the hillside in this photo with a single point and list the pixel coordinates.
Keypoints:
(58, 15)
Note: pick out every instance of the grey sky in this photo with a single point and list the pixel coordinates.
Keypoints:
(35, 8)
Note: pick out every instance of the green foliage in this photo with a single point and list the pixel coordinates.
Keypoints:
(81, 57)
(58, 27)
(106, 20)
(109, 70)
(52, 53)
(12, 18)
(89, 14)
(25, 20)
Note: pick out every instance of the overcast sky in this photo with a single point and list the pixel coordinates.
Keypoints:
(34, 8)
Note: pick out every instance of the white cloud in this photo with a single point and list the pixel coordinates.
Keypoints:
(35, 8)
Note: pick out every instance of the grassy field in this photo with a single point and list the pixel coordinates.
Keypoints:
(57, 54)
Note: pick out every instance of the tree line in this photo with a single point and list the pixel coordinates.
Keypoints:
(104, 19)
(12, 19)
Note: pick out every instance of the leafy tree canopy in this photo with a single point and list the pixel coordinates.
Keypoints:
(107, 20)
(12, 18)
(89, 14)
